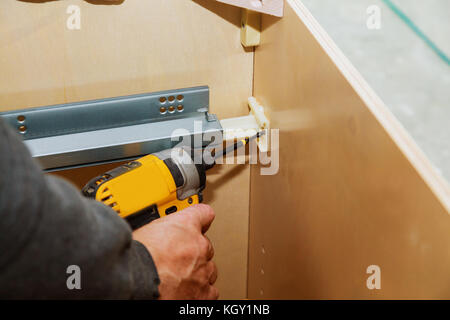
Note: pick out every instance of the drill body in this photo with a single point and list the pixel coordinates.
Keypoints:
(151, 187)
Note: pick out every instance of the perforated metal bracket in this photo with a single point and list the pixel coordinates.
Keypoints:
(107, 130)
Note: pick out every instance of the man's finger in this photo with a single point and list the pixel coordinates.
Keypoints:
(213, 293)
(212, 270)
(203, 215)
(210, 252)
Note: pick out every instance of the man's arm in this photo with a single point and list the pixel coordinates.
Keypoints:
(47, 226)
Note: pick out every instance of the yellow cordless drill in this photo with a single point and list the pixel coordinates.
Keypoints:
(156, 185)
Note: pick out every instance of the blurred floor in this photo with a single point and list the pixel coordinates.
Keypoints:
(408, 76)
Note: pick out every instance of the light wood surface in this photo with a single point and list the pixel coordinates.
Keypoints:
(273, 7)
(353, 189)
(125, 48)
(132, 47)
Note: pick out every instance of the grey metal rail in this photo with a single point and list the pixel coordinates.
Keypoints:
(107, 130)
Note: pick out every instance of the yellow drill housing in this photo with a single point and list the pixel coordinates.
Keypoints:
(139, 191)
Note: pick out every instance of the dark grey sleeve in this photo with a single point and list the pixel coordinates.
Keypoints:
(46, 226)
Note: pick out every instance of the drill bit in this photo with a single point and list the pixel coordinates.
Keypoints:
(238, 144)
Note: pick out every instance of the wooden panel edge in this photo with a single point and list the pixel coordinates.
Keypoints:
(391, 124)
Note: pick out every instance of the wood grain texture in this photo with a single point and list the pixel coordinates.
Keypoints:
(353, 189)
(128, 48)
(132, 47)
(227, 191)
(272, 7)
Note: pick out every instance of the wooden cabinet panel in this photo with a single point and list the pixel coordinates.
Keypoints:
(133, 47)
(353, 190)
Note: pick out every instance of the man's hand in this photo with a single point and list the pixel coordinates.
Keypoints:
(182, 253)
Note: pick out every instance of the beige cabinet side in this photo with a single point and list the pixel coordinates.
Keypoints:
(352, 191)
(133, 47)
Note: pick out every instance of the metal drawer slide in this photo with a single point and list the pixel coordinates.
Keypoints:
(107, 130)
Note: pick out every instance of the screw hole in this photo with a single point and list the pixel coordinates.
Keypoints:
(171, 98)
(180, 108)
(162, 99)
(162, 110)
(21, 118)
(22, 129)
(180, 97)
(171, 109)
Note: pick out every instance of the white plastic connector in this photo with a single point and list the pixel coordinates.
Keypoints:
(248, 126)
(258, 112)
(239, 128)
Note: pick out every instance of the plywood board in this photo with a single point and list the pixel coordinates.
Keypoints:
(124, 48)
(130, 47)
(273, 7)
(353, 190)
